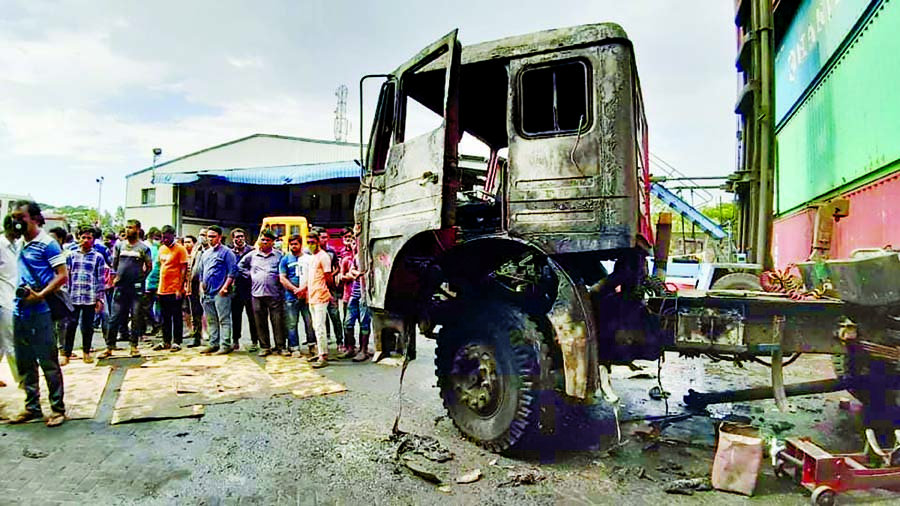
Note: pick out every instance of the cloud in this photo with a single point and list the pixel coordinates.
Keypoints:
(247, 62)
(88, 89)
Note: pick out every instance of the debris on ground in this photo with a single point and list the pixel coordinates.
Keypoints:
(623, 473)
(421, 454)
(445, 489)
(670, 467)
(470, 477)
(34, 453)
(734, 418)
(526, 477)
(421, 467)
(781, 426)
(642, 376)
(427, 446)
(687, 486)
(658, 394)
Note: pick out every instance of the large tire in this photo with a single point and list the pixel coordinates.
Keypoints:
(738, 281)
(488, 365)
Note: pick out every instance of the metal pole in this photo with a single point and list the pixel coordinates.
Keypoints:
(767, 134)
(99, 197)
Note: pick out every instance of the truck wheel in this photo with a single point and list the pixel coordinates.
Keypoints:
(488, 370)
(738, 281)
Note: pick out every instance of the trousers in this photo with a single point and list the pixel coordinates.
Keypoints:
(294, 310)
(125, 300)
(7, 343)
(35, 348)
(172, 322)
(218, 318)
(240, 303)
(265, 310)
(319, 313)
(82, 317)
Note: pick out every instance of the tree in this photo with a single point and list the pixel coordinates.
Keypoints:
(77, 216)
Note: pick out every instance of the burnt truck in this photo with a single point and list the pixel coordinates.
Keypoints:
(504, 267)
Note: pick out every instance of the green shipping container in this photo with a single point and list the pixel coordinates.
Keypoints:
(848, 127)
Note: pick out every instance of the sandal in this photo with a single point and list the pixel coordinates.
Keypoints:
(56, 419)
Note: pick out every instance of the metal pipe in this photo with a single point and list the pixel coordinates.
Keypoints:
(661, 249)
(663, 179)
(700, 400)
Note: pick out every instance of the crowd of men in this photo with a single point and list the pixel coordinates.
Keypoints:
(134, 284)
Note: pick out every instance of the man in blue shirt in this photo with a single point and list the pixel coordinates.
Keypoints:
(293, 274)
(42, 271)
(217, 269)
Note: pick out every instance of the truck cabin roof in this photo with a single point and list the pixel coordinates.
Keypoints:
(483, 79)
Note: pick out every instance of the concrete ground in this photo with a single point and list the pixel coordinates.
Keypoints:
(336, 449)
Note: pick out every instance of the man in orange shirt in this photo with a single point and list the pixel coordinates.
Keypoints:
(173, 262)
(320, 278)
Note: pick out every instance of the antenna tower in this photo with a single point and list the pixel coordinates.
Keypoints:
(341, 126)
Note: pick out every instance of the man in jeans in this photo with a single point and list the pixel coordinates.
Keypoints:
(217, 268)
(192, 289)
(173, 262)
(87, 284)
(294, 269)
(131, 262)
(260, 266)
(321, 277)
(241, 301)
(42, 271)
(9, 280)
(149, 298)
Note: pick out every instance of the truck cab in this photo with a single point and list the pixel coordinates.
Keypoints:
(514, 252)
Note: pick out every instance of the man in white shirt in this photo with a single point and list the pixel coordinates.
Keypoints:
(9, 276)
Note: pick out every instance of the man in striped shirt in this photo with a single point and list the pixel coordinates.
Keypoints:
(87, 273)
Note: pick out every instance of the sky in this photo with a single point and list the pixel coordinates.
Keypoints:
(88, 89)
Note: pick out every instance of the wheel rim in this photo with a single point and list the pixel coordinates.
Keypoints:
(475, 379)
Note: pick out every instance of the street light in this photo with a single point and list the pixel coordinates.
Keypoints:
(99, 197)
(156, 153)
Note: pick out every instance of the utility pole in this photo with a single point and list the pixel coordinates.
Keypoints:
(341, 125)
(99, 198)
(754, 180)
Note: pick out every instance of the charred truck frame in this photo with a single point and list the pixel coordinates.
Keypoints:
(504, 268)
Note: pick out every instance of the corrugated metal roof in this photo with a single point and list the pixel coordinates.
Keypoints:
(280, 175)
(299, 140)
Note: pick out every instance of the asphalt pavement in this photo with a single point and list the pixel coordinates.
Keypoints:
(338, 450)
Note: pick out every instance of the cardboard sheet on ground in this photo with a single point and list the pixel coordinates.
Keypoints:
(83, 383)
(300, 377)
(179, 385)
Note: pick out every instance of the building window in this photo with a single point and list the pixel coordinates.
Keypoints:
(148, 196)
(554, 100)
(351, 203)
(337, 202)
(314, 201)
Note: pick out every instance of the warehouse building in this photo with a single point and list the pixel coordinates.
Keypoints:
(237, 183)
(837, 125)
